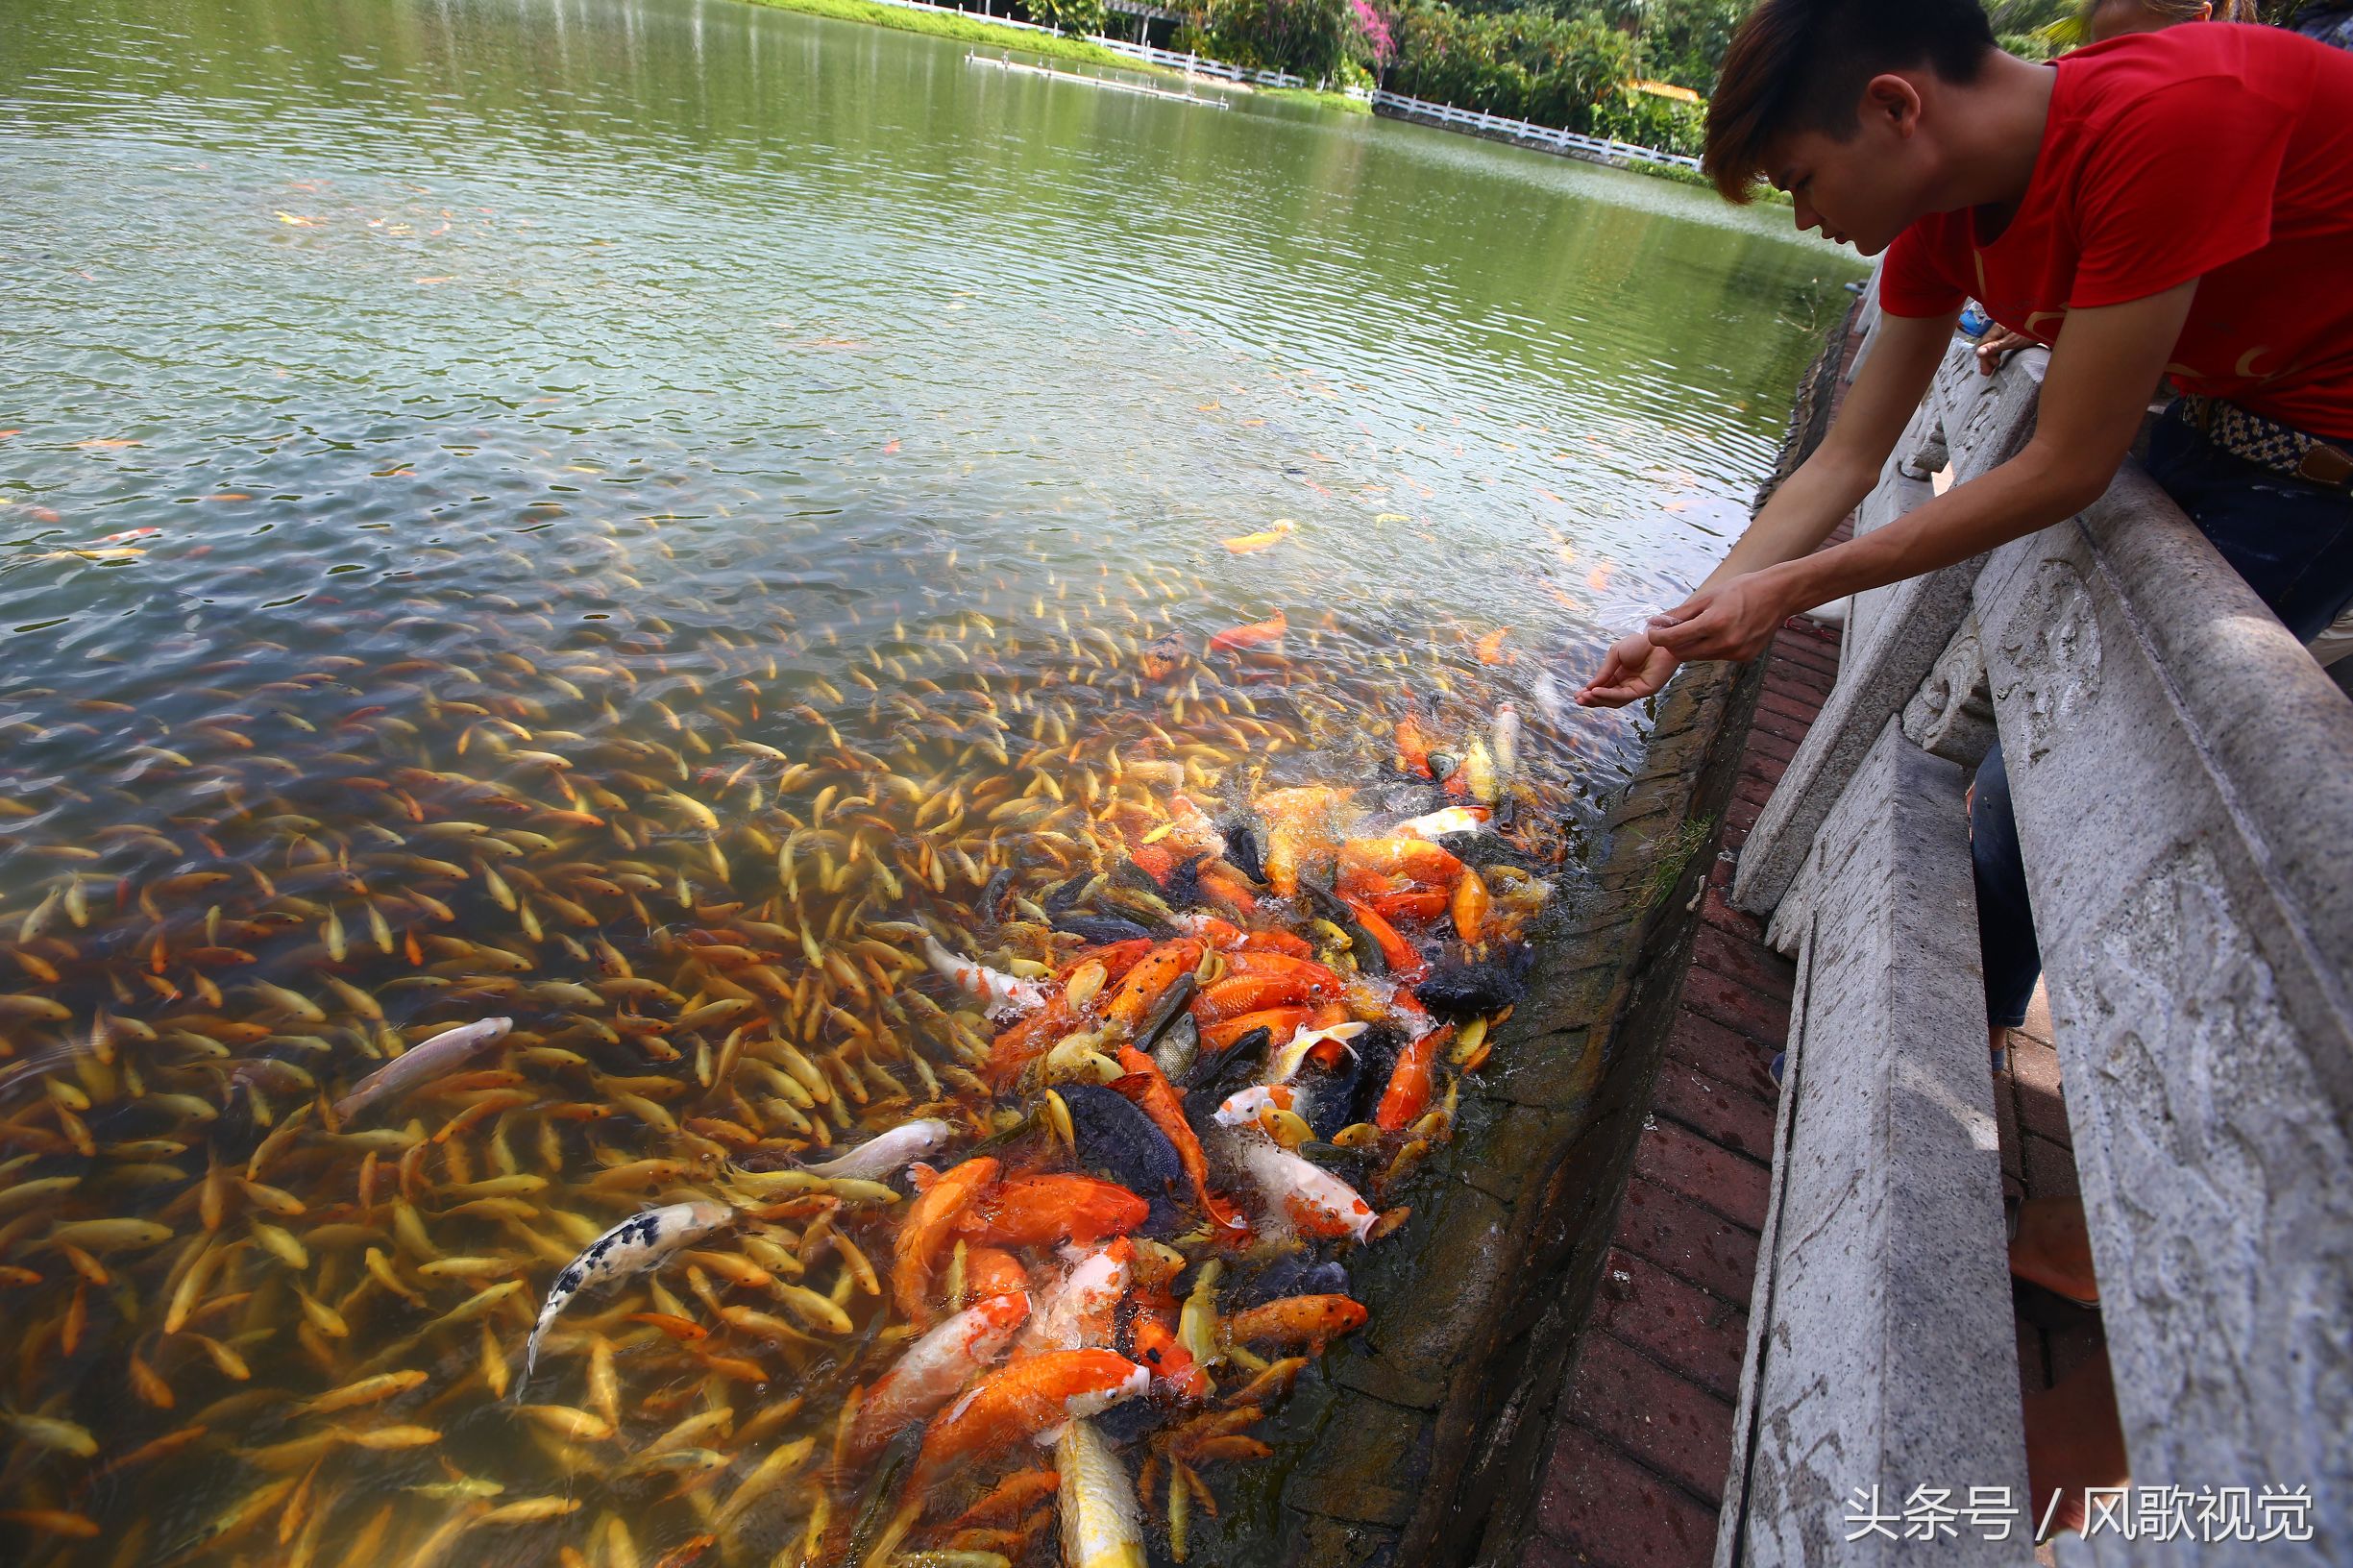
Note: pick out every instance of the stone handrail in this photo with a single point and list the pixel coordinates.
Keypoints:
(2182, 774)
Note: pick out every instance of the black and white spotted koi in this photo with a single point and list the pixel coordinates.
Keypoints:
(637, 1242)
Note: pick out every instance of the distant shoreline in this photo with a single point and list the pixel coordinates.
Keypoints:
(964, 28)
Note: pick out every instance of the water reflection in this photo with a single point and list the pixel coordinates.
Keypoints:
(629, 517)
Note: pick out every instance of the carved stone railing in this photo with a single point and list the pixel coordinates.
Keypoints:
(2182, 774)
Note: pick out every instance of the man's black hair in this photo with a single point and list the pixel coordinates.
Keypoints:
(1801, 65)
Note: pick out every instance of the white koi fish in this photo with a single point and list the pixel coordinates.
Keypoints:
(1547, 693)
(430, 1059)
(1504, 732)
(638, 1242)
(928, 1372)
(1240, 1110)
(1437, 824)
(1003, 992)
(1316, 1201)
(890, 1153)
(1080, 1312)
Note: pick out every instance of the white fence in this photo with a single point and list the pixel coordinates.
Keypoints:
(1103, 84)
(1195, 65)
(1529, 134)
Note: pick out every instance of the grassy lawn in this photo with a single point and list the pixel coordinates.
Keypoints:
(1320, 100)
(961, 29)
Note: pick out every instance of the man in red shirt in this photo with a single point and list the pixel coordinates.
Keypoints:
(2176, 205)
(2181, 203)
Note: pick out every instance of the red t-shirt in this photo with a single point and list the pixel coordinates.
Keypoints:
(2208, 151)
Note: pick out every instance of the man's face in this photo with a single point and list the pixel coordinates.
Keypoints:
(1856, 191)
(1859, 190)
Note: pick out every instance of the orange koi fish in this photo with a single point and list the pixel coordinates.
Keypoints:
(926, 1230)
(1403, 959)
(1171, 1363)
(1148, 981)
(1281, 1022)
(1153, 1095)
(1266, 633)
(1044, 1210)
(1429, 865)
(1030, 1399)
(1296, 1320)
(1249, 993)
(1302, 824)
(1409, 906)
(992, 1272)
(1249, 544)
(1413, 747)
(1408, 1095)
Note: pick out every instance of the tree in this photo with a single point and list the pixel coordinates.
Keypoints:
(1308, 38)
(1526, 65)
(1084, 18)
(1683, 40)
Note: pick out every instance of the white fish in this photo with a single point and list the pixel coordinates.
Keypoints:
(1314, 1199)
(1547, 693)
(1241, 1109)
(889, 1154)
(636, 1243)
(1078, 1314)
(1003, 992)
(1439, 823)
(1283, 1062)
(929, 1372)
(1505, 732)
(419, 1062)
(1101, 1527)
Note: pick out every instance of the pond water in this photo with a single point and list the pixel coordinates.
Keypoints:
(690, 530)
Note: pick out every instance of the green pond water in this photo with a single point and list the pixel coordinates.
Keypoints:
(622, 517)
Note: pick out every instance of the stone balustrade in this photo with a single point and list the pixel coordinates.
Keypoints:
(2183, 779)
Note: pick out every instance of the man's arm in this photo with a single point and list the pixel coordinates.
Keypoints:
(1825, 487)
(2094, 398)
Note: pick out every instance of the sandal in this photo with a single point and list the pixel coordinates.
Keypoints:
(2009, 1225)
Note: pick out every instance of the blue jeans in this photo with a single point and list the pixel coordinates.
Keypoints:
(2291, 541)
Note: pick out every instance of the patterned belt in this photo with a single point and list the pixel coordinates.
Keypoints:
(2267, 443)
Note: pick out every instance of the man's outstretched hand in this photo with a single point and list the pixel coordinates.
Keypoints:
(1731, 621)
(1633, 671)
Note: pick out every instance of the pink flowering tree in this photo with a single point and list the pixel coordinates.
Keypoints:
(1374, 30)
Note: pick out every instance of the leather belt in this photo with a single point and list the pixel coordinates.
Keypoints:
(2267, 443)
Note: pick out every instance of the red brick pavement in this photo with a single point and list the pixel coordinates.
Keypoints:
(1644, 1436)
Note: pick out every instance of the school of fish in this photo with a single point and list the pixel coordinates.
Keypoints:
(607, 1095)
